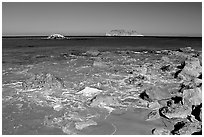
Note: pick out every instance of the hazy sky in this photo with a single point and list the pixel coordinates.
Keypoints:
(97, 18)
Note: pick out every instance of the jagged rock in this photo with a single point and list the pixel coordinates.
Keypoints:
(43, 80)
(192, 68)
(177, 111)
(84, 124)
(153, 115)
(56, 36)
(192, 96)
(186, 128)
(122, 32)
(89, 92)
(160, 131)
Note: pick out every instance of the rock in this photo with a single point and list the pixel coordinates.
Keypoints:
(105, 101)
(66, 129)
(58, 107)
(178, 111)
(192, 96)
(43, 80)
(165, 58)
(154, 105)
(192, 68)
(89, 92)
(122, 32)
(56, 36)
(186, 49)
(84, 124)
(186, 128)
(93, 52)
(153, 115)
(100, 64)
(160, 131)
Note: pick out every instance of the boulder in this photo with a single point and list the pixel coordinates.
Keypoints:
(93, 52)
(192, 96)
(44, 80)
(192, 68)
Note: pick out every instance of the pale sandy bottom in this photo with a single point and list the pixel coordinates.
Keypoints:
(133, 123)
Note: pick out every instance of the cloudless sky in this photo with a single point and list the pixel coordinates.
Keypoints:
(68, 18)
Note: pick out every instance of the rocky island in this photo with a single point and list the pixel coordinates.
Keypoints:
(56, 36)
(122, 32)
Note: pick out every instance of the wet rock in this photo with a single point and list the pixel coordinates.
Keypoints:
(192, 96)
(177, 111)
(89, 92)
(84, 124)
(197, 112)
(160, 131)
(44, 80)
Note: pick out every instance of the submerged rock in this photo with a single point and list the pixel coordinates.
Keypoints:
(84, 124)
(160, 131)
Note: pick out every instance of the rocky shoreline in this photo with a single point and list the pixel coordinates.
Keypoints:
(83, 88)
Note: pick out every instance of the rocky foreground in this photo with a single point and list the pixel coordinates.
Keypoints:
(83, 88)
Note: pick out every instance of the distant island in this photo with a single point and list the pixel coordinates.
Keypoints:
(122, 32)
(56, 36)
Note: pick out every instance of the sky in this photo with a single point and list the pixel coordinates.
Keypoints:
(67, 18)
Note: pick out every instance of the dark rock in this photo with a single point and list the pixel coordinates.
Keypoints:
(197, 112)
(166, 68)
(44, 80)
(186, 128)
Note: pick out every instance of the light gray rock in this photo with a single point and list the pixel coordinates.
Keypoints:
(56, 36)
(84, 124)
(160, 131)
